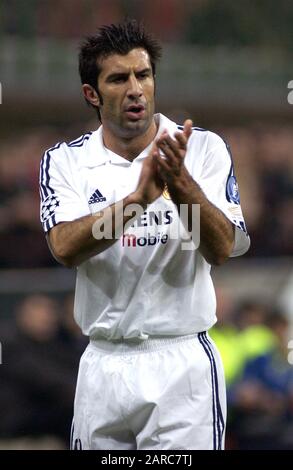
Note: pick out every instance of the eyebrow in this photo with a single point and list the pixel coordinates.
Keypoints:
(125, 74)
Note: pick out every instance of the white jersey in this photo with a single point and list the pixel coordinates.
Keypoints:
(145, 284)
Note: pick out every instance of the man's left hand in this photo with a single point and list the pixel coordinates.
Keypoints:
(171, 164)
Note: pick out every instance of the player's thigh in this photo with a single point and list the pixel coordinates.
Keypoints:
(97, 423)
(188, 414)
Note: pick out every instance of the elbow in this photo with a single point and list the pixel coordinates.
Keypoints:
(68, 262)
(219, 257)
(64, 258)
(223, 255)
(218, 260)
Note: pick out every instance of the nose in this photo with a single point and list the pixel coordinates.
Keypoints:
(134, 90)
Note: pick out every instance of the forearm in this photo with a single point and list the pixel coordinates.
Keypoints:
(216, 231)
(73, 242)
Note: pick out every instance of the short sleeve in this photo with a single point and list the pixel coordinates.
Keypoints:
(61, 198)
(219, 183)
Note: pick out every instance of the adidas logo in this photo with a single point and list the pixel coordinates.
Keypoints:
(96, 197)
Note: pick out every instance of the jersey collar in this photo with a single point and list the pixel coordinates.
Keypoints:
(97, 154)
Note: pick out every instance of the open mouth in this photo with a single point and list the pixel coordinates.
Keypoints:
(135, 111)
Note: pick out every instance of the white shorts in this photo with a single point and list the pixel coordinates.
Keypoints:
(157, 395)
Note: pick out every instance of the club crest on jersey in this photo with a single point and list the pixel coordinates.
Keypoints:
(48, 207)
(232, 192)
(166, 193)
(96, 197)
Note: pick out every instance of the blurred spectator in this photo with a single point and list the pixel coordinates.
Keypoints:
(37, 375)
(263, 399)
(255, 337)
(240, 334)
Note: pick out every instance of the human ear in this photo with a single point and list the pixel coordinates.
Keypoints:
(91, 95)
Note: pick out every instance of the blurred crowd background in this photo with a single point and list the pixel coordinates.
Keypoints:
(226, 65)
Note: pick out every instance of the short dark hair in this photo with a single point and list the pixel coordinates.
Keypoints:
(115, 39)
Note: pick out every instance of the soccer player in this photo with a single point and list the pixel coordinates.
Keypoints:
(150, 378)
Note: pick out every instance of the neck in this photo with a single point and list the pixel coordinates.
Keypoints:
(129, 148)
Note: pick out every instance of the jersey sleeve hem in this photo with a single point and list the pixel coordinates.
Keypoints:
(58, 219)
(241, 237)
(241, 242)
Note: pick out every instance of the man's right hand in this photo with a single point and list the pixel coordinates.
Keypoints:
(150, 185)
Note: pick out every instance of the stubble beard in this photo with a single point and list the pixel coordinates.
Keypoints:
(128, 129)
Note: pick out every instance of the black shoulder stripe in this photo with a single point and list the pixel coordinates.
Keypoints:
(200, 129)
(45, 172)
(80, 141)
